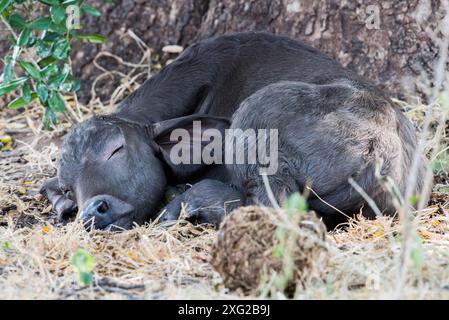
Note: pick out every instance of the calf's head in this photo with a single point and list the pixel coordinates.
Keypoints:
(116, 171)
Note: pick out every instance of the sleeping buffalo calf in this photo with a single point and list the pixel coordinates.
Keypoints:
(332, 125)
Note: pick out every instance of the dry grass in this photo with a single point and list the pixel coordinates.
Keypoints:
(147, 262)
(152, 262)
(155, 262)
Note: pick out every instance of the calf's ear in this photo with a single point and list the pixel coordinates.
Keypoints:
(180, 142)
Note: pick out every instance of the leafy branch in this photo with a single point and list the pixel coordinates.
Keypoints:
(40, 49)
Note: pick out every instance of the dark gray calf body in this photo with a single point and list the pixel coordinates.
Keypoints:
(332, 125)
(328, 133)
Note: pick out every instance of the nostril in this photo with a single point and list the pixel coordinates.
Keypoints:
(102, 207)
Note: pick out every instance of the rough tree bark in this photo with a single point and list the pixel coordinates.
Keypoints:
(399, 49)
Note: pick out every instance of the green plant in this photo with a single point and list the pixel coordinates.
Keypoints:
(83, 263)
(6, 246)
(417, 253)
(294, 207)
(441, 163)
(40, 48)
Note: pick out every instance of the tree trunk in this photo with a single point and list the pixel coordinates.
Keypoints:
(387, 43)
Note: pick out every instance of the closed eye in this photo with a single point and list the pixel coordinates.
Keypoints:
(115, 151)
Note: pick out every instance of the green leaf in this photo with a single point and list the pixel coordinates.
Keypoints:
(413, 200)
(76, 85)
(51, 36)
(279, 233)
(8, 69)
(24, 37)
(84, 279)
(278, 252)
(61, 49)
(26, 93)
(6, 246)
(42, 93)
(68, 2)
(49, 2)
(417, 254)
(57, 14)
(10, 86)
(82, 260)
(58, 27)
(41, 24)
(21, 102)
(91, 11)
(66, 86)
(43, 48)
(17, 21)
(92, 38)
(49, 70)
(295, 203)
(46, 61)
(32, 40)
(441, 164)
(49, 119)
(56, 102)
(56, 80)
(70, 84)
(4, 4)
(29, 68)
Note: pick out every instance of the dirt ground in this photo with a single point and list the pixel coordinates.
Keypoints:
(153, 262)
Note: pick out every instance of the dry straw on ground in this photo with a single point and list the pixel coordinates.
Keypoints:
(156, 262)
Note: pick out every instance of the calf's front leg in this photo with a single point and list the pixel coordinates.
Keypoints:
(64, 207)
(207, 202)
